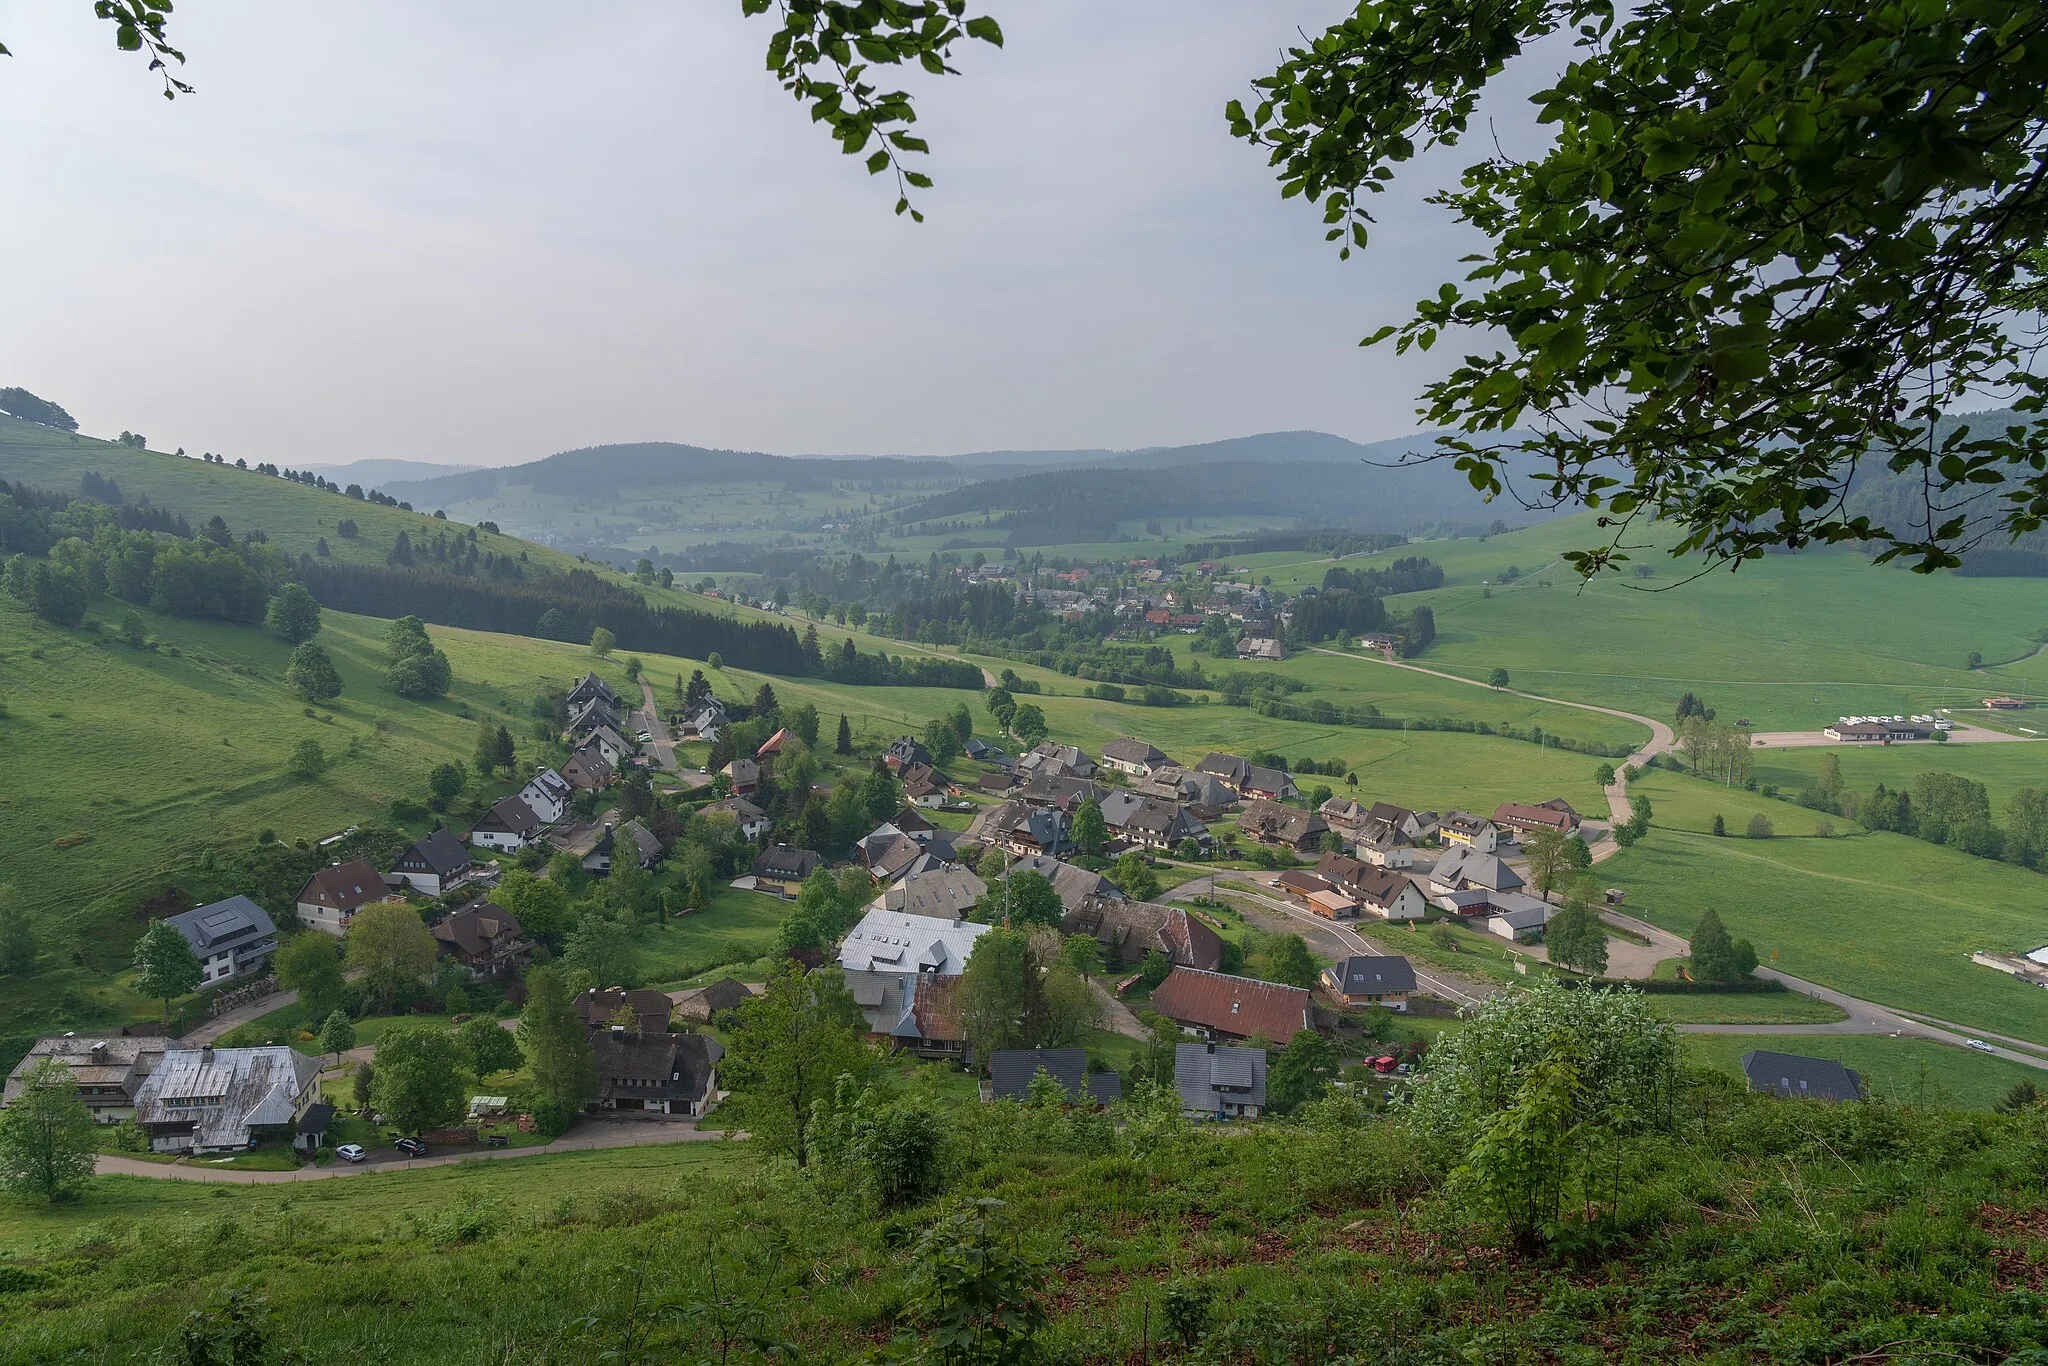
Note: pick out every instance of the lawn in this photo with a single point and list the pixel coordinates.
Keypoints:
(2002, 768)
(1742, 1007)
(1909, 1071)
(1880, 916)
(735, 934)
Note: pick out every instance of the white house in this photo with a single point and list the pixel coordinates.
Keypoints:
(231, 937)
(510, 825)
(547, 795)
(886, 954)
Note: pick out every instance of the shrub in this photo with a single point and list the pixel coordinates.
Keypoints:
(1759, 826)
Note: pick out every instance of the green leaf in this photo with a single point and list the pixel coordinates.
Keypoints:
(985, 29)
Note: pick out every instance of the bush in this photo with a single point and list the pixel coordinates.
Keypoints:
(552, 1118)
(1759, 826)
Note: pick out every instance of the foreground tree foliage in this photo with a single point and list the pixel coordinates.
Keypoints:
(794, 1042)
(1767, 245)
(46, 1136)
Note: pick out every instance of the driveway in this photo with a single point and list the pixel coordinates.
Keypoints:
(592, 1134)
(648, 719)
(201, 1035)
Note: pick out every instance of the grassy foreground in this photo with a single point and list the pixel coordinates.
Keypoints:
(1754, 1231)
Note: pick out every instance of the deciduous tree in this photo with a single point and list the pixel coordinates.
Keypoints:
(294, 614)
(556, 1044)
(47, 1135)
(309, 963)
(337, 1033)
(792, 1044)
(418, 1082)
(311, 674)
(489, 1046)
(392, 950)
(165, 966)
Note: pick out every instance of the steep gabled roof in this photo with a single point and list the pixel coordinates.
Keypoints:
(345, 886)
(1238, 1006)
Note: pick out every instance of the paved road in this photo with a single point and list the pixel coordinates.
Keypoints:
(591, 1135)
(201, 1035)
(1461, 990)
(648, 718)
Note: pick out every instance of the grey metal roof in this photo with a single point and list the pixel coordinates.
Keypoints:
(238, 920)
(1209, 1077)
(1369, 975)
(1011, 1072)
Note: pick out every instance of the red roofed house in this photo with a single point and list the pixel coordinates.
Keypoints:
(1215, 1006)
(332, 896)
(1526, 820)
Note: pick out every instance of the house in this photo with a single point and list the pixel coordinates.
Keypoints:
(669, 1074)
(914, 823)
(434, 863)
(1380, 891)
(588, 770)
(1271, 823)
(510, 825)
(1467, 868)
(1220, 1083)
(752, 821)
(1074, 884)
(547, 795)
(1556, 815)
(1385, 852)
(772, 746)
(1887, 731)
(941, 893)
(1050, 759)
(1365, 979)
(724, 995)
(1269, 784)
(704, 722)
(1520, 920)
(213, 1100)
(1215, 1005)
(1135, 757)
(922, 786)
(1412, 826)
(1012, 1070)
(645, 848)
(586, 718)
(1127, 931)
(1791, 1076)
(1059, 790)
(591, 686)
(888, 953)
(934, 1026)
(107, 1070)
(643, 1012)
(332, 896)
(1319, 896)
(1263, 648)
(982, 752)
(904, 751)
(743, 777)
(615, 747)
(1150, 822)
(1024, 830)
(1228, 769)
(1000, 782)
(1204, 794)
(1346, 815)
(233, 938)
(484, 937)
(781, 869)
(1464, 829)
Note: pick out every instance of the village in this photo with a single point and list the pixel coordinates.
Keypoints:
(1155, 865)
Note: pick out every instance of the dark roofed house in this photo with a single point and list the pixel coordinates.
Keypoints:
(588, 770)
(1554, 815)
(1011, 1071)
(1220, 1083)
(782, 868)
(484, 937)
(1366, 979)
(1025, 830)
(509, 825)
(1794, 1076)
(1271, 823)
(435, 862)
(904, 751)
(1227, 768)
(589, 686)
(1128, 930)
(600, 1007)
(1150, 822)
(1135, 757)
(1272, 784)
(107, 1070)
(726, 994)
(332, 896)
(752, 821)
(670, 1074)
(1074, 883)
(232, 938)
(744, 775)
(1220, 1006)
(922, 785)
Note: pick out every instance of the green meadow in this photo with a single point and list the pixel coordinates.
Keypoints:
(1906, 1071)
(2002, 768)
(1881, 916)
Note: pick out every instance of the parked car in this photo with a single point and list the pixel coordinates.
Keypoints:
(1981, 1046)
(351, 1152)
(646, 738)
(497, 1141)
(411, 1147)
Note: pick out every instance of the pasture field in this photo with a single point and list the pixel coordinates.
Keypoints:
(1881, 916)
(1906, 1071)
(1789, 641)
(1737, 1007)
(2002, 768)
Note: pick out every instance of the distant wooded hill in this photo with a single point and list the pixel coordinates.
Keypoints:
(652, 466)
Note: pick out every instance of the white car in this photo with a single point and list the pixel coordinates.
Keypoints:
(351, 1152)
(1980, 1045)
(645, 738)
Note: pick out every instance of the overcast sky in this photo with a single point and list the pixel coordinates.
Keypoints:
(485, 232)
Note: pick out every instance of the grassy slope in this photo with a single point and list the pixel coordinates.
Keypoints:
(1788, 641)
(1881, 916)
(2002, 768)
(1908, 1071)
